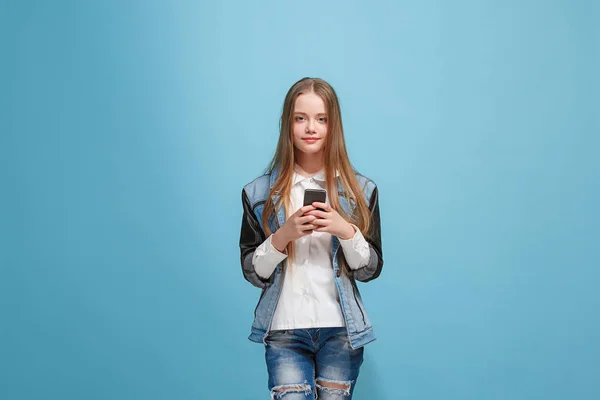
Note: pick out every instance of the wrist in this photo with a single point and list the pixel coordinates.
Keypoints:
(279, 242)
(348, 232)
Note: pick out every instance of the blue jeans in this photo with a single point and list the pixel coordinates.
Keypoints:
(310, 363)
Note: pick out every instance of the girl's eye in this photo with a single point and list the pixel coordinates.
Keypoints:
(299, 118)
(322, 119)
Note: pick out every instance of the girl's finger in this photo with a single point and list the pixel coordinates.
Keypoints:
(306, 227)
(322, 222)
(324, 206)
(306, 219)
(318, 214)
(304, 210)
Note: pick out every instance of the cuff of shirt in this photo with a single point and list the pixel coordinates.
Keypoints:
(356, 249)
(266, 257)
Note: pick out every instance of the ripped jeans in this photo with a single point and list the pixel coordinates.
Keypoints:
(311, 363)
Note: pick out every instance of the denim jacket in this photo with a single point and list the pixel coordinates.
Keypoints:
(358, 326)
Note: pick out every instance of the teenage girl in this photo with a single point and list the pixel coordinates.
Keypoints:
(307, 259)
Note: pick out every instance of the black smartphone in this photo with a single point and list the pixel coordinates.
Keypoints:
(312, 195)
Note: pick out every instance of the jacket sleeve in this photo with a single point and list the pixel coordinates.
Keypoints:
(251, 237)
(375, 264)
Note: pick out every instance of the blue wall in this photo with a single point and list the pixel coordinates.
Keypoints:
(130, 127)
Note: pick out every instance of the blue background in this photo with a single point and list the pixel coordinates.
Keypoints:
(130, 127)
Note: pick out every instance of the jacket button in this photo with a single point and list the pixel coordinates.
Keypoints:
(338, 273)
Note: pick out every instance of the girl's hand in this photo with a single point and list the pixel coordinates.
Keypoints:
(298, 225)
(331, 222)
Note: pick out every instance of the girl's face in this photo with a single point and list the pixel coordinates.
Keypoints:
(309, 123)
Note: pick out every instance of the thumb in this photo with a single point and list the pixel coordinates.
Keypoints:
(304, 209)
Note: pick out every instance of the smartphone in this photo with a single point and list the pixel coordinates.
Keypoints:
(312, 195)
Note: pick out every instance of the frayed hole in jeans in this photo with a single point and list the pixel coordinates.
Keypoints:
(278, 392)
(334, 387)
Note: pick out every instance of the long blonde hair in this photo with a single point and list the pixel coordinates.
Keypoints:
(335, 160)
